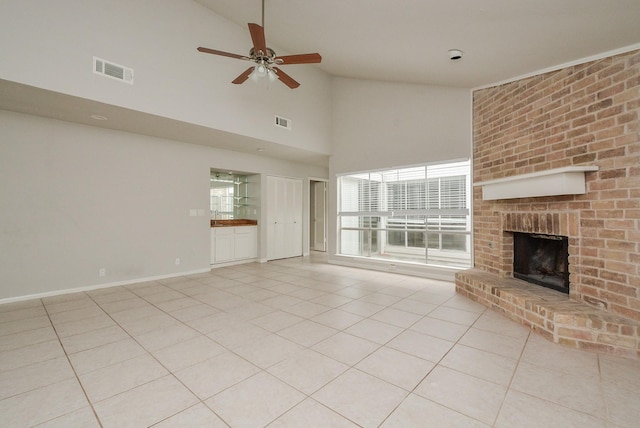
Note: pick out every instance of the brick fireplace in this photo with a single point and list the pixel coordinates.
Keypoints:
(585, 115)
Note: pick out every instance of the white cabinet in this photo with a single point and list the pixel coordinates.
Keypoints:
(245, 242)
(284, 217)
(231, 244)
(224, 248)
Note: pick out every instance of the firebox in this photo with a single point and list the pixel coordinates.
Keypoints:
(542, 259)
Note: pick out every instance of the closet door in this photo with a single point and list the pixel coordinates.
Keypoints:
(274, 223)
(296, 229)
(284, 218)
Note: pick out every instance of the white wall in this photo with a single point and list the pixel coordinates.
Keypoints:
(384, 125)
(380, 125)
(51, 44)
(77, 198)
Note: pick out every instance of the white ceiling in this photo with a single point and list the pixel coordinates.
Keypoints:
(408, 40)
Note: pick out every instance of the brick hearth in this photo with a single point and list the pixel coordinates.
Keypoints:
(587, 114)
(552, 313)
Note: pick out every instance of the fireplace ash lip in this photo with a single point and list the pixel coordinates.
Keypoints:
(551, 237)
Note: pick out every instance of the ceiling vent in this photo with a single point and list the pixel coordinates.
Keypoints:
(283, 122)
(112, 70)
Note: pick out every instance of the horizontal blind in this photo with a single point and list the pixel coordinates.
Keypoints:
(413, 191)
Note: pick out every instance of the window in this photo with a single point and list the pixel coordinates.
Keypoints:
(414, 214)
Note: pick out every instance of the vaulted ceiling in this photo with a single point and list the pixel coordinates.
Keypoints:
(408, 40)
(397, 41)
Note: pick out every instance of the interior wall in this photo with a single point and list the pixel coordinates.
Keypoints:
(380, 124)
(384, 125)
(51, 45)
(77, 199)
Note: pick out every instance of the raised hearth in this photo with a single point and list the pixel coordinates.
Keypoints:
(552, 314)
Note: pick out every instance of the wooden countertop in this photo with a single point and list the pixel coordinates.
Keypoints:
(235, 222)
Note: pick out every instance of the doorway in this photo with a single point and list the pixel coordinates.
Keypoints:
(318, 215)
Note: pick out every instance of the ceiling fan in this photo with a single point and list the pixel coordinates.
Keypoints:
(265, 58)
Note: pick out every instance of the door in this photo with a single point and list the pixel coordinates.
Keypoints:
(284, 218)
(318, 215)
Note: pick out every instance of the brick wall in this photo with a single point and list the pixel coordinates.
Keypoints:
(587, 114)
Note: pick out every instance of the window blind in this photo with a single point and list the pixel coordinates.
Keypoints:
(418, 214)
(424, 190)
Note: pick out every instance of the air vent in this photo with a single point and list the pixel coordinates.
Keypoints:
(112, 70)
(283, 122)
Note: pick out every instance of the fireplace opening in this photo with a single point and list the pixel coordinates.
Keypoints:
(542, 260)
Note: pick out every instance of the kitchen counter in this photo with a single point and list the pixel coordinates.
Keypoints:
(233, 223)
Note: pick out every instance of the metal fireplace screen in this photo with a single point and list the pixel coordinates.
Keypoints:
(542, 259)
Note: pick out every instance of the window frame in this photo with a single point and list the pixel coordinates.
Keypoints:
(378, 211)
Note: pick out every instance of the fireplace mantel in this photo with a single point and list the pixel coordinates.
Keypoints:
(569, 180)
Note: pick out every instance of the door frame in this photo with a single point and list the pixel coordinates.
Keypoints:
(325, 213)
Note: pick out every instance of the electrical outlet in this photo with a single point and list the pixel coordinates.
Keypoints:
(102, 272)
(177, 262)
(392, 267)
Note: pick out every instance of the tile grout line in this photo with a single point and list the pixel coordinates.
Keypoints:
(404, 329)
(437, 364)
(170, 372)
(261, 370)
(308, 396)
(93, 410)
(363, 285)
(513, 375)
(607, 411)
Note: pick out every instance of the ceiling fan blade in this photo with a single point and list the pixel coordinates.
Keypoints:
(215, 52)
(243, 77)
(310, 58)
(257, 36)
(285, 78)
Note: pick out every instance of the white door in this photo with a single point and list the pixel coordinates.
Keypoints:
(296, 188)
(276, 192)
(319, 203)
(284, 218)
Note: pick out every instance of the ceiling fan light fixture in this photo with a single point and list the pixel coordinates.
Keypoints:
(265, 58)
(261, 69)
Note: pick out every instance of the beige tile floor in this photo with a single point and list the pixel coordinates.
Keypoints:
(295, 343)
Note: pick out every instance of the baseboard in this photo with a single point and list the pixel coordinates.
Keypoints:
(98, 286)
(431, 272)
(233, 263)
